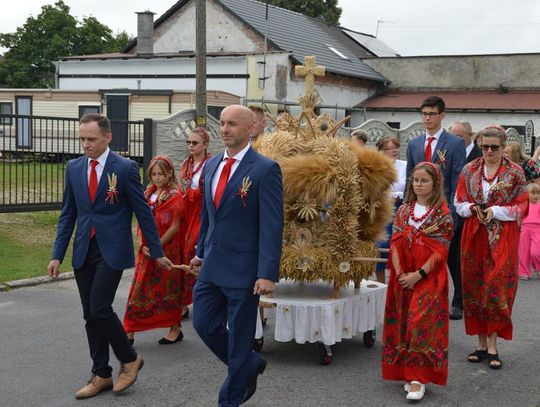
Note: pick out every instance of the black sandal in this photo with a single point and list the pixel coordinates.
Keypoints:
(479, 354)
(494, 357)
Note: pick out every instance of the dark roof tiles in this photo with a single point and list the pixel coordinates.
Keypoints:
(303, 35)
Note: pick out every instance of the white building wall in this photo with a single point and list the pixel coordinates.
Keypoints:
(156, 66)
(223, 31)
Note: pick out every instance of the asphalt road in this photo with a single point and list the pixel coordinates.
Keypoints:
(44, 360)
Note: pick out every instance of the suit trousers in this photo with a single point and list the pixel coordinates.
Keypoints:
(225, 320)
(97, 284)
(454, 264)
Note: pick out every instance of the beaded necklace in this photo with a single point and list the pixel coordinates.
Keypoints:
(191, 172)
(421, 218)
(490, 180)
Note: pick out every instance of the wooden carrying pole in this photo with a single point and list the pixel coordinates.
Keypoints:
(200, 52)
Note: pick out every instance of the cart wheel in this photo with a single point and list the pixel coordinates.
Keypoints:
(369, 339)
(325, 353)
(258, 344)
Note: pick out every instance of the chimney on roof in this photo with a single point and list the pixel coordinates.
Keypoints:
(145, 32)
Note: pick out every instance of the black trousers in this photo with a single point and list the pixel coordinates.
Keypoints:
(97, 284)
(454, 259)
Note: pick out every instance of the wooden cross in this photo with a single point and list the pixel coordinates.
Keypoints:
(309, 70)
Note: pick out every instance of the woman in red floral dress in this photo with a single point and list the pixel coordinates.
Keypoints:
(191, 184)
(492, 196)
(415, 333)
(155, 294)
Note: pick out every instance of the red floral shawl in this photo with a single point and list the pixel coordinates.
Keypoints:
(509, 191)
(434, 234)
(187, 170)
(166, 208)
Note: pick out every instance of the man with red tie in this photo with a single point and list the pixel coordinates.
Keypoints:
(238, 251)
(102, 190)
(438, 146)
(448, 151)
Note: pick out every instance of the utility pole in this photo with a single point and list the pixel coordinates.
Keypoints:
(200, 52)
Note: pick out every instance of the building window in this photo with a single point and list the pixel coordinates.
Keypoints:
(215, 111)
(338, 52)
(23, 125)
(393, 125)
(7, 109)
(88, 109)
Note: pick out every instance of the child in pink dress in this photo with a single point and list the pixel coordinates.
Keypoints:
(529, 241)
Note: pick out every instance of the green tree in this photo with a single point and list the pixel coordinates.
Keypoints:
(326, 10)
(42, 40)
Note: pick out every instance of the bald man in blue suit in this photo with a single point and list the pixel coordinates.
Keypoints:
(238, 250)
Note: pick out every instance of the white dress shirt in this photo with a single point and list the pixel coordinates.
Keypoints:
(468, 149)
(398, 187)
(238, 157)
(102, 159)
(197, 177)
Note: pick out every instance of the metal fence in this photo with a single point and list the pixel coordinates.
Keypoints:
(34, 151)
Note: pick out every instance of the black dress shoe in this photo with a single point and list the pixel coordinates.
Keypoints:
(456, 314)
(165, 341)
(252, 382)
(258, 344)
(185, 315)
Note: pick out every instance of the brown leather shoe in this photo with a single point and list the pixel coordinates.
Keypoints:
(128, 374)
(95, 385)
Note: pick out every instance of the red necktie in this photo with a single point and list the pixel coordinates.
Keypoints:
(428, 152)
(92, 187)
(223, 179)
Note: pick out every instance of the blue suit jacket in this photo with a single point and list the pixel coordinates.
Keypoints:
(112, 222)
(239, 244)
(454, 149)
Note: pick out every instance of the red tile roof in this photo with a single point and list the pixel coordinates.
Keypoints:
(458, 100)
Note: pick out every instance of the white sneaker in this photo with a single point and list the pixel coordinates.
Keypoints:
(417, 395)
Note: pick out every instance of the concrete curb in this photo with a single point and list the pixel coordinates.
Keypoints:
(27, 282)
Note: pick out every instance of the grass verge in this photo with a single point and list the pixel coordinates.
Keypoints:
(26, 241)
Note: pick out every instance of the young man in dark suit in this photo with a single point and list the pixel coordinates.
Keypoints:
(238, 250)
(448, 151)
(102, 191)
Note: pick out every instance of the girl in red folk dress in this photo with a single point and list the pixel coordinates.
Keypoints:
(155, 294)
(415, 333)
(491, 195)
(191, 184)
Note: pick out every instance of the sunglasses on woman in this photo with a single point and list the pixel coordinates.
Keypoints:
(192, 143)
(487, 147)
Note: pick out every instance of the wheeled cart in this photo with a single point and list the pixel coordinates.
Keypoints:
(309, 313)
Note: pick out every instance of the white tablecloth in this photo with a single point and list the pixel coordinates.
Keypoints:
(306, 313)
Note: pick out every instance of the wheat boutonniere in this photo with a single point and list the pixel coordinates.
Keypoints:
(442, 157)
(244, 189)
(112, 192)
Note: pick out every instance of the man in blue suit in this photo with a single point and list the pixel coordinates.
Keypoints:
(438, 146)
(238, 250)
(448, 151)
(101, 192)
